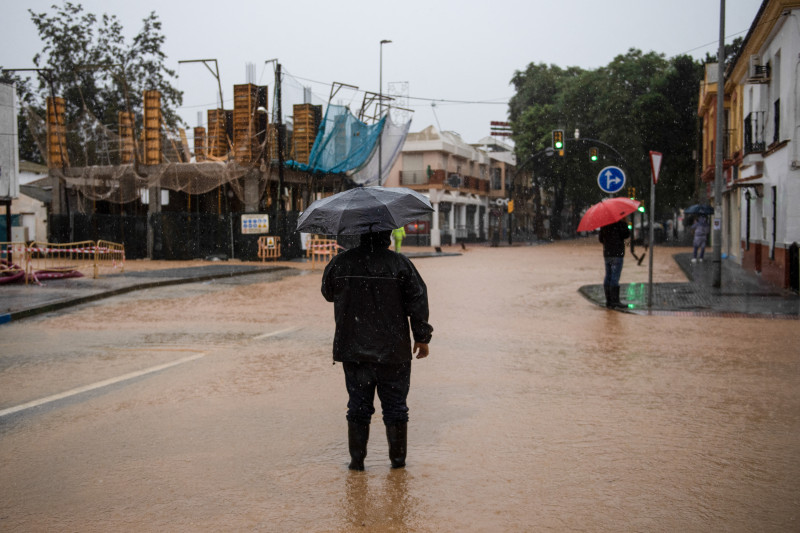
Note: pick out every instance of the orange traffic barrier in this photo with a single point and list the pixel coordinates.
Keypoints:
(60, 258)
(269, 248)
(321, 250)
(109, 256)
(13, 261)
(55, 260)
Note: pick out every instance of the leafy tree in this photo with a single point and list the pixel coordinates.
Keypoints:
(86, 60)
(535, 110)
(637, 103)
(731, 51)
(28, 148)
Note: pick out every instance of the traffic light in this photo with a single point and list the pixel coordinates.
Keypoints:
(641, 208)
(593, 155)
(558, 141)
(632, 193)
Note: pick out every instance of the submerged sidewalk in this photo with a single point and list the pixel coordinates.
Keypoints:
(19, 301)
(742, 294)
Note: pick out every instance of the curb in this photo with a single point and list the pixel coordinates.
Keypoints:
(33, 311)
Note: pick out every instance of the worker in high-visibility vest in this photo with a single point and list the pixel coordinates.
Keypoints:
(398, 235)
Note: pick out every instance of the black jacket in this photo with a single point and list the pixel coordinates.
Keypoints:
(375, 292)
(613, 238)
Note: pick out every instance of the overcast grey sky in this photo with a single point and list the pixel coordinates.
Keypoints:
(458, 50)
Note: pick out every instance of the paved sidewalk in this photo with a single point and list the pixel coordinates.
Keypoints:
(742, 294)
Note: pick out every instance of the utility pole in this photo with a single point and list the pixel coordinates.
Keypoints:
(717, 278)
(281, 205)
(380, 112)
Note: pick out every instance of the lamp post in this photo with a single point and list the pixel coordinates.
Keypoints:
(716, 281)
(380, 112)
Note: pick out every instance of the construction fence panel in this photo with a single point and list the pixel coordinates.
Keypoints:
(13, 261)
(109, 257)
(48, 257)
(269, 247)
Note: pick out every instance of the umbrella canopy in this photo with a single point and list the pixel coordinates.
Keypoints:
(364, 210)
(699, 209)
(607, 212)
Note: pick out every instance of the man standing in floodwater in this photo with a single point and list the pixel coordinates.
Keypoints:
(613, 238)
(376, 294)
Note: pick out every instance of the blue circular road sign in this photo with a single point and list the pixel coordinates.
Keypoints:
(611, 179)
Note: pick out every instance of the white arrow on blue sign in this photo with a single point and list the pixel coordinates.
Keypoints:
(611, 179)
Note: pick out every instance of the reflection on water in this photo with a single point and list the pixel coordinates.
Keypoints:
(377, 502)
(636, 292)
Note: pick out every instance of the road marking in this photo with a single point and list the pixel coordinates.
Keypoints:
(272, 334)
(98, 385)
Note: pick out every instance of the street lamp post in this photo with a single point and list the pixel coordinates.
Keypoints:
(380, 112)
(716, 281)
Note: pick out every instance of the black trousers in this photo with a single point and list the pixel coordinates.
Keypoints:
(392, 382)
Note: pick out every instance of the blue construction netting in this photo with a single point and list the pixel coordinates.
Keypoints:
(343, 143)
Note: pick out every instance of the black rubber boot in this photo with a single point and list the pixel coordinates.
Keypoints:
(396, 435)
(609, 301)
(357, 437)
(615, 298)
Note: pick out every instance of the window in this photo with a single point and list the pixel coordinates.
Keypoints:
(726, 147)
(412, 162)
(754, 132)
(774, 222)
(413, 172)
(497, 182)
(776, 134)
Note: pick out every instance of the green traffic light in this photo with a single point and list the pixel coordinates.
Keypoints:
(641, 209)
(558, 139)
(594, 157)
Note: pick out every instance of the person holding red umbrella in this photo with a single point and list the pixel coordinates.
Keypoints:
(613, 238)
(609, 215)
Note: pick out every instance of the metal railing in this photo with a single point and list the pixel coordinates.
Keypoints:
(41, 260)
(413, 177)
(754, 132)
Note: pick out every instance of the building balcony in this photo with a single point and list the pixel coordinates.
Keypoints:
(440, 179)
(754, 141)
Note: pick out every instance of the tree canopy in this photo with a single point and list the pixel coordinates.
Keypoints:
(86, 60)
(637, 103)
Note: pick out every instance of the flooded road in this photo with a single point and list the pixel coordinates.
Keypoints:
(215, 406)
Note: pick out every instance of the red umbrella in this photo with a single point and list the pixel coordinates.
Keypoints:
(607, 212)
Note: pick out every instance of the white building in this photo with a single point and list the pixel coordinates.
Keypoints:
(765, 77)
(455, 176)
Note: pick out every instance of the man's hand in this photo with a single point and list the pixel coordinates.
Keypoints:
(420, 349)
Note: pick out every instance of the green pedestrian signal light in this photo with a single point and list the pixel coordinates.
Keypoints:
(641, 209)
(558, 139)
(593, 154)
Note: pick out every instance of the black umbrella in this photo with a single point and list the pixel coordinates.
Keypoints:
(364, 210)
(699, 209)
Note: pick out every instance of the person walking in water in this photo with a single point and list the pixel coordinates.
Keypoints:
(398, 234)
(613, 238)
(376, 294)
(701, 230)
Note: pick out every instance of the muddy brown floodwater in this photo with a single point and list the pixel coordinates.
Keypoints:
(536, 411)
